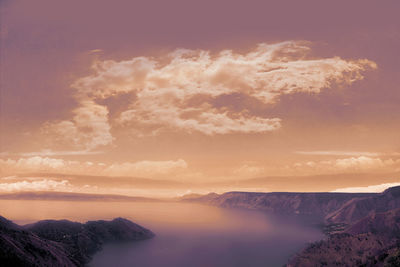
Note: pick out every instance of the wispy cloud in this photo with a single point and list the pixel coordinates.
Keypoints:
(349, 164)
(346, 153)
(146, 168)
(250, 170)
(338, 153)
(36, 185)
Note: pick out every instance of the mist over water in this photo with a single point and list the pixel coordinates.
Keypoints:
(186, 234)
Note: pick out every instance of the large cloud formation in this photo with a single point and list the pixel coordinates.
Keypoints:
(175, 92)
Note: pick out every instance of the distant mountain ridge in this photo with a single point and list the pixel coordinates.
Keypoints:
(62, 243)
(317, 205)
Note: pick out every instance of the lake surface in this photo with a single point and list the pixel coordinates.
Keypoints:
(186, 234)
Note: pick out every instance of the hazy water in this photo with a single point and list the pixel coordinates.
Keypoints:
(186, 234)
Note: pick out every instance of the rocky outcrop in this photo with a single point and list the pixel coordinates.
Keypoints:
(62, 243)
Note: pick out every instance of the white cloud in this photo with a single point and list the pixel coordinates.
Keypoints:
(36, 185)
(174, 92)
(367, 189)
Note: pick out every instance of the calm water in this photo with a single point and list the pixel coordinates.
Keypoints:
(186, 234)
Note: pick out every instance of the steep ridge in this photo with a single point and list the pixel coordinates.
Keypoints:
(356, 209)
(62, 243)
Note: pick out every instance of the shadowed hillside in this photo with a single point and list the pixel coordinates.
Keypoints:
(62, 243)
(372, 241)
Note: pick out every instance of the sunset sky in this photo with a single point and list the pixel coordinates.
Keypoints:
(163, 98)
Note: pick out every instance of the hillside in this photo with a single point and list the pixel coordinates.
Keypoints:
(372, 241)
(62, 243)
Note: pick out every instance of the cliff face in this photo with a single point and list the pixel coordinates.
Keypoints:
(62, 243)
(316, 205)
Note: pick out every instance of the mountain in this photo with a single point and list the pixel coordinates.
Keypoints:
(315, 205)
(62, 243)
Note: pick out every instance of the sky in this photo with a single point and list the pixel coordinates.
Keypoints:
(175, 97)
